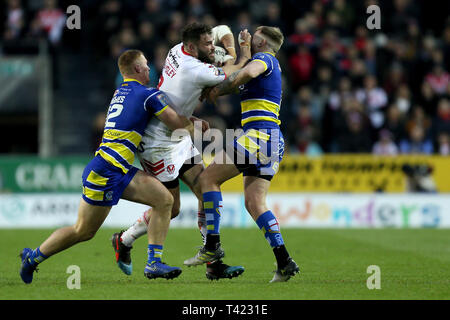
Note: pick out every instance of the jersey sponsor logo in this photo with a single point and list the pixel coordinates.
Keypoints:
(162, 98)
(170, 168)
(219, 72)
(173, 59)
(109, 195)
(169, 70)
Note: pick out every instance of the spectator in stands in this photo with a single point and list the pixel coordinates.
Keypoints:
(418, 118)
(306, 98)
(394, 79)
(301, 66)
(444, 144)
(402, 98)
(147, 38)
(361, 37)
(428, 99)
(357, 72)
(318, 11)
(446, 46)
(442, 121)
(51, 20)
(395, 123)
(369, 56)
(344, 92)
(15, 20)
(404, 11)
(128, 38)
(159, 57)
(416, 143)
(375, 99)
(356, 134)
(272, 16)
(305, 143)
(153, 14)
(438, 79)
(197, 8)
(345, 13)
(242, 22)
(323, 79)
(385, 145)
(302, 34)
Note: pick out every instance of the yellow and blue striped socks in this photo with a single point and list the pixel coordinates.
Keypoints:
(154, 253)
(268, 224)
(37, 257)
(212, 204)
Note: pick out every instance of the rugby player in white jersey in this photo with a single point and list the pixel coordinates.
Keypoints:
(187, 71)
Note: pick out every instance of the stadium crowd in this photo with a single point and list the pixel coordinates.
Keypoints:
(346, 89)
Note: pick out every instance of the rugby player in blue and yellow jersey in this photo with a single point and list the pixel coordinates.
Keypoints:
(257, 152)
(111, 175)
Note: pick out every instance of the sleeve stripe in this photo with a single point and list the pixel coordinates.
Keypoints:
(263, 62)
(161, 111)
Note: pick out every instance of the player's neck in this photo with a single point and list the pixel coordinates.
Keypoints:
(265, 50)
(127, 78)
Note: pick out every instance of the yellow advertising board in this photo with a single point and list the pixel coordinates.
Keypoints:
(351, 173)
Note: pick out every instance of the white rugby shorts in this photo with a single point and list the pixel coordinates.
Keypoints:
(165, 161)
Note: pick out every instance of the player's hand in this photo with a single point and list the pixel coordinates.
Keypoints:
(205, 124)
(245, 38)
(209, 94)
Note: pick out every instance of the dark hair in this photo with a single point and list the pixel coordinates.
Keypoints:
(193, 31)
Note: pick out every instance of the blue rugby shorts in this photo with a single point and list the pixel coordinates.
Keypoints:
(103, 183)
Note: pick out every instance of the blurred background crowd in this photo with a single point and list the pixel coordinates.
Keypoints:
(346, 89)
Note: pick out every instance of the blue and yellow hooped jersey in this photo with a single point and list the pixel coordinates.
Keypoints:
(261, 97)
(131, 107)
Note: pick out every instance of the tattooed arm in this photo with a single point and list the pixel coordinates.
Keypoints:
(236, 79)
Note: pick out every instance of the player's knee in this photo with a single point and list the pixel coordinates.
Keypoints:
(197, 188)
(164, 201)
(206, 181)
(254, 206)
(175, 210)
(203, 180)
(84, 233)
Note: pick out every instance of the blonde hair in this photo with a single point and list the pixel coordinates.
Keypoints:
(273, 36)
(127, 60)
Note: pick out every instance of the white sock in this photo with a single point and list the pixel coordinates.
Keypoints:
(138, 229)
(202, 225)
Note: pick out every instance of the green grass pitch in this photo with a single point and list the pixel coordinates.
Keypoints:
(414, 264)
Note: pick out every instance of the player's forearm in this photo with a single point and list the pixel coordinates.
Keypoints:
(186, 124)
(228, 43)
(245, 53)
(230, 69)
(231, 83)
(175, 121)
